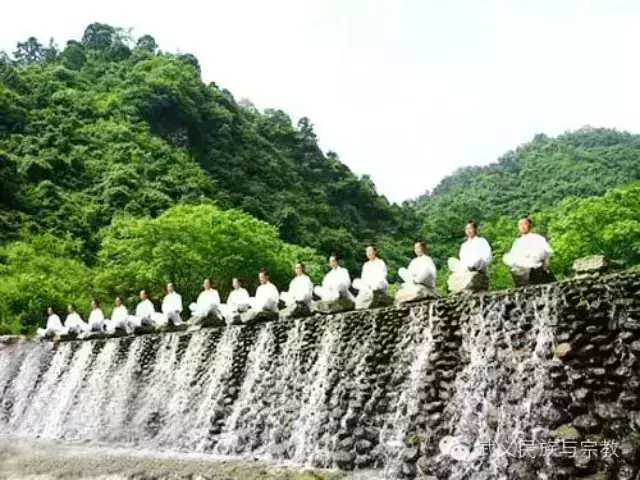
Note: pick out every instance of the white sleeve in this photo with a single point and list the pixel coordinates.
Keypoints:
(216, 297)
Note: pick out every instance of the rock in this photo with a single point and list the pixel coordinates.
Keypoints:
(629, 451)
(363, 446)
(591, 264)
(534, 276)
(563, 349)
(257, 316)
(375, 299)
(467, 282)
(410, 454)
(363, 461)
(415, 293)
(587, 423)
(567, 432)
(333, 306)
(344, 460)
(11, 339)
(298, 310)
(211, 320)
(635, 347)
(609, 411)
(629, 400)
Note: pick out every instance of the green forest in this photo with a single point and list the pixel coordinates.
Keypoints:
(120, 169)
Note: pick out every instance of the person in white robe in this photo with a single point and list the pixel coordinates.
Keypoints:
(267, 295)
(146, 313)
(421, 271)
(208, 301)
(74, 323)
(475, 253)
(172, 305)
(300, 288)
(54, 325)
(529, 252)
(374, 274)
(119, 318)
(237, 302)
(336, 283)
(96, 317)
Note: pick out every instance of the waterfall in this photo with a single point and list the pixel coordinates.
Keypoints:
(450, 388)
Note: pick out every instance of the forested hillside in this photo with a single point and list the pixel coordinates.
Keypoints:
(110, 125)
(121, 169)
(533, 179)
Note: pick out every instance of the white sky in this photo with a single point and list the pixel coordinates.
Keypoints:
(404, 90)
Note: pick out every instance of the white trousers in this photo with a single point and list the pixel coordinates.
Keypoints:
(203, 312)
(267, 304)
(332, 292)
(46, 332)
(291, 299)
(409, 280)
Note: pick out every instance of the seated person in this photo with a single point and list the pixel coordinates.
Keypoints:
(300, 288)
(54, 325)
(208, 301)
(146, 313)
(267, 295)
(119, 317)
(96, 317)
(421, 271)
(475, 252)
(336, 283)
(74, 323)
(374, 274)
(237, 302)
(529, 256)
(172, 305)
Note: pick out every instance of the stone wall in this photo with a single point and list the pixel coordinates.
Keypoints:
(385, 389)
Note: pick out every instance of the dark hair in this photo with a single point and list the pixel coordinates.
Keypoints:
(237, 279)
(97, 302)
(376, 250)
(422, 243)
(302, 266)
(265, 272)
(146, 292)
(472, 223)
(529, 221)
(72, 305)
(335, 255)
(120, 297)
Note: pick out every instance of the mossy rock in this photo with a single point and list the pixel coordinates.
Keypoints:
(334, 306)
(567, 432)
(252, 317)
(299, 310)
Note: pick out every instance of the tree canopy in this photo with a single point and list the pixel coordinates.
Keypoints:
(120, 169)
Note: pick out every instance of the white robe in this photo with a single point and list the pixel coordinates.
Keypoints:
(421, 271)
(119, 319)
(475, 255)
(96, 320)
(172, 307)
(528, 252)
(374, 277)
(335, 284)
(300, 290)
(54, 327)
(146, 313)
(74, 324)
(208, 302)
(238, 301)
(267, 297)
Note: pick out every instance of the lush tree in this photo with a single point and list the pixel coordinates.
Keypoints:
(39, 272)
(189, 243)
(608, 225)
(28, 52)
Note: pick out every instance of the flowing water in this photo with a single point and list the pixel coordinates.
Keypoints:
(342, 390)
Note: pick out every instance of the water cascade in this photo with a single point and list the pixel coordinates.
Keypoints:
(463, 387)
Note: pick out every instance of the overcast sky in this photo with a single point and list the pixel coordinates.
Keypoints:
(404, 90)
